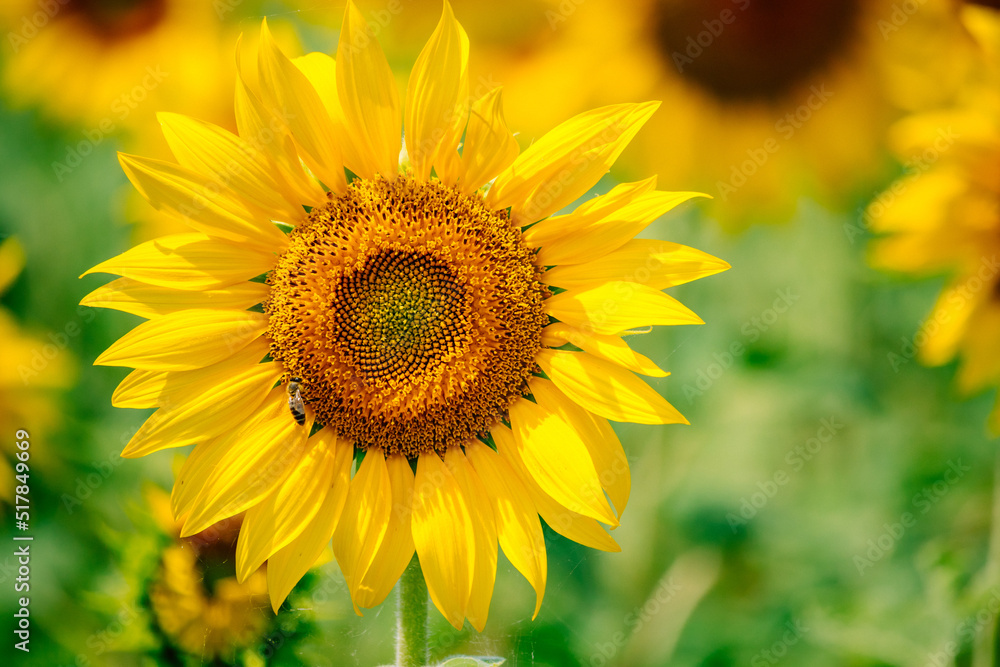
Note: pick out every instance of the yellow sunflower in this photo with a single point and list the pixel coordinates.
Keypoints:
(943, 218)
(442, 326)
(99, 63)
(195, 599)
(769, 101)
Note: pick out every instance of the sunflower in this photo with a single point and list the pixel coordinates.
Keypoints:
(100, 62)
(943, 218)
(196, 601)
(185, 593)
(769, 101)
(429, 318)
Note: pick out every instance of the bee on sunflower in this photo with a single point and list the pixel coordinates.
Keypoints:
(456, 340)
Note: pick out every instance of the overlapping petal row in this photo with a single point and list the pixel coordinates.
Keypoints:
(201, 358)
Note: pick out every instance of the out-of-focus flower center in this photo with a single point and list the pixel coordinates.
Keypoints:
(197, 601)
(115, 19)
(411, 312)
(753, 49)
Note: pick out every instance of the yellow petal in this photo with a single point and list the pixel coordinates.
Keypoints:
(396, 549)
(588, 212)
(920, 209)
(185, 340)
(954, 307)
(189, 262)
(321, 70)
(980, 365)
(287, 91)
(484, 531)
(518, 527)
(256, 459)
(149, 301)
(139, 389)
(602, 443)
(569, 160)
(489, 146)
(611, 348)
(593, 233)
(220, 155)
(569, 524)
(158, 502)
(606, 389)
(368, 96)
(558, 459)
(436, 106)
(443, 537)
(150, 389)
(200, 203)
(288, 565)
(11, 262)
(656, 264)
(993, 421)
(612, 308)
(283, 515)
(216, 410)
(269, 134)
(364, 521)
(194, 474)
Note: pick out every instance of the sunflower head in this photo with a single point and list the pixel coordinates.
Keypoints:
(107, 65)
(178, 601)
(388, 320)
(198, 604)
(941, 219)
(117, 19)
(743, 50)
(435, 319)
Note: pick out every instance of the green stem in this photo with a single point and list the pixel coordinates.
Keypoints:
(411, 617)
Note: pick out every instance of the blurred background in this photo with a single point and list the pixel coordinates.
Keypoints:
(835, 500)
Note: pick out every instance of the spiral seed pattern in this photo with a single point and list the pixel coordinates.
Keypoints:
(411, 312)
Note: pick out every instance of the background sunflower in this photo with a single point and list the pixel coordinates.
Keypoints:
(99, 62)
(942, 218)
(768, 101)
(830, 504)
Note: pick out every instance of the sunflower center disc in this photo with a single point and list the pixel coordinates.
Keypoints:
(119, 18)
(745, 50)
(403, 313)
(411, 312)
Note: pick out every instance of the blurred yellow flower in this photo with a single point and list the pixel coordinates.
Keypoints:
(106, 64)
(413, 310)
(766, 101)
(195, 598)
(943, 218)
(35, 367)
